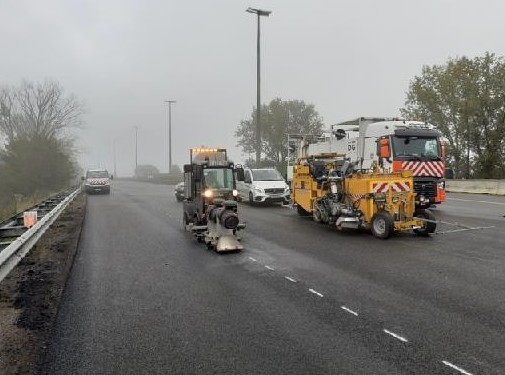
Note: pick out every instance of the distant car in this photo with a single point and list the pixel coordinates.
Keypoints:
(179, 191)
(97, 181)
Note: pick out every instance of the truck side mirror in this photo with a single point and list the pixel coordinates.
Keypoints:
(240, 174)
(111, 176)
(384, 150)
(188, 168)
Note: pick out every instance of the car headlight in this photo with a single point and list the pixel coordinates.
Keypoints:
(441, 185)
(235, 193)
(259, 190)
(286, 189)
(208, 193)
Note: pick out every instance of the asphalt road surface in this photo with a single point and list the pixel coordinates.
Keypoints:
(145, 298)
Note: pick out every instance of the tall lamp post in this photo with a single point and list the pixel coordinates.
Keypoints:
(114, 147)
(136, 149)
(259, 13)
(170, 133)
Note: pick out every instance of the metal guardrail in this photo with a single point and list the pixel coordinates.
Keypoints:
(16, 250)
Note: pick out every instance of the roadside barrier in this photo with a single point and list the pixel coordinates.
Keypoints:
(16, 249)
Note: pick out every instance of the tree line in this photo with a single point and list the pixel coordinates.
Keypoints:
(464, 98)
(37, 153)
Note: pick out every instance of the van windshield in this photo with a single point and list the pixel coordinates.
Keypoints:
(266, 175)
(97, 174)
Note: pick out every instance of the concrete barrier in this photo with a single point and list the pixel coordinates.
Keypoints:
(496, 187)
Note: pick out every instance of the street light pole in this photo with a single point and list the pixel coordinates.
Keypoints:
(170, 133)
(259, 13)
(136, 149)
(114, 146)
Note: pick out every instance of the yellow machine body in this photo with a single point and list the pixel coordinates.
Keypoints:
(355, 199)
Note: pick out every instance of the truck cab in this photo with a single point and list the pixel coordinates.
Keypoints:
(262, 185)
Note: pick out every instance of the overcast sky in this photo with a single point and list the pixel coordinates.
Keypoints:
(123, 58)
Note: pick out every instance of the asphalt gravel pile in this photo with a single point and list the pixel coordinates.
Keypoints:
(30, 296)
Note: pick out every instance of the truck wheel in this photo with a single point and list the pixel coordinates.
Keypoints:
(301, 211)
(382, 225)
(428, 226)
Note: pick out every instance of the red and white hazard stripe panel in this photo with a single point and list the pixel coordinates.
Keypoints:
(425, 168)
(383, 187)
(400, 186)
(380, 187)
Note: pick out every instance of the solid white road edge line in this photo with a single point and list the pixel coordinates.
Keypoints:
(456, 368)
(396, 336)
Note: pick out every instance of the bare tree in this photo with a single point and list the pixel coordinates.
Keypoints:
(38, 110)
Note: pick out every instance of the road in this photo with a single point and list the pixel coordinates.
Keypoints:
(145, 298)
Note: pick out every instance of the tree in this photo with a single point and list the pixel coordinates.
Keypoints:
(278, 119)
(38, 153)
(466, 100)
(36, 164)
(37, 110)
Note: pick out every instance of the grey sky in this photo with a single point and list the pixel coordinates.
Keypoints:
(124, 58)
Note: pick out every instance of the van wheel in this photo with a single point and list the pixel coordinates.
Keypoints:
(251, 199)
(382, 225)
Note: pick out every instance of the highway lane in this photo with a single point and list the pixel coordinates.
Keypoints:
(144, 297)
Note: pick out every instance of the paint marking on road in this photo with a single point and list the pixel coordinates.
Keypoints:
(456, 368)
(349, 310)
(254, 260)
(403, 339)
(464, 229)
(316, 292)
(290, 279)
(269, 268)
(469, 200)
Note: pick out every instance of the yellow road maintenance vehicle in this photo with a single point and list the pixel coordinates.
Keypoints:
(210, 205)
(326, 187)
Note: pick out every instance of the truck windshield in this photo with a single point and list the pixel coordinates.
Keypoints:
(416, 147)
(266, 175)
(218, 178)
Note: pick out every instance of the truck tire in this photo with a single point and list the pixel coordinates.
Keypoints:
(382, 225)
(428, 226)
(301, 211)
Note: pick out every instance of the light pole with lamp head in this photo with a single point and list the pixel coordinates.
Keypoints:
(170, 133)
(136, 150)
(259, 13)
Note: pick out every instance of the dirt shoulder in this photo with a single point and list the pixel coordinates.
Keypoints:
(30, 296)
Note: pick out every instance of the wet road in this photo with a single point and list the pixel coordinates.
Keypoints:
(145, 298)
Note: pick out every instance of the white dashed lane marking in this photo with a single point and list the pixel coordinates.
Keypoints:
(316, 292)
(456, 368)
(398, 337)
(290, 279)
(254, 260)
(349, 310)
(269, 268)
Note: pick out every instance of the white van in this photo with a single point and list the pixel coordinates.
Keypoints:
(264, 185)
(97, 181)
